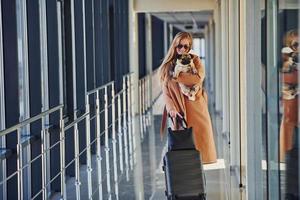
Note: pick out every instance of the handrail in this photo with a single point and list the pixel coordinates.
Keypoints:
(148, 75)
(156, 70)
(29, 121)
(99, 88)
(119, 93)
(156, 98)
(128, 74)
(118, 130)
(105, 85)
(144, 77)
(76, 121)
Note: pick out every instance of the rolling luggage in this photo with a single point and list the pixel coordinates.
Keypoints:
(184, 175)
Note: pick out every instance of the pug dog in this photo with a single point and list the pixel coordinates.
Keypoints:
(289, 91)
(184, 63)
(290, 58)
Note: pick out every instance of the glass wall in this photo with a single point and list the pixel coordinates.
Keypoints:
(263, 94)
(288, 71)
(279, 87)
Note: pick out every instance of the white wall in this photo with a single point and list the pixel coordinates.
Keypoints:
(173, 5)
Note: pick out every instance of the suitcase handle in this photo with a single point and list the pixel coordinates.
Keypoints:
(180, 120)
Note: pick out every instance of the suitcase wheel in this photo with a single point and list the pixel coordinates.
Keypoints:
(163, 168)
(203, 197)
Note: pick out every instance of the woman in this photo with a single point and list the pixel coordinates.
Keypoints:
(289, 74)
(195, 112)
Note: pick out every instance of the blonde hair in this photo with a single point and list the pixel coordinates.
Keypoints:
(289, 37)
(165, 66)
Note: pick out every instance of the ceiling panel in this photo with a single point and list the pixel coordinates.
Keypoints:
(187, 21)
(147, 6)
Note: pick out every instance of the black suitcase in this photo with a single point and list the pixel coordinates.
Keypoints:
(184, 175)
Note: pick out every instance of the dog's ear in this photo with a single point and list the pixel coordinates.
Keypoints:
(179, 56)
(192, 56)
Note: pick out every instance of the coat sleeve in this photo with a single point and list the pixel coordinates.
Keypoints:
(167, 98)
(190, 79)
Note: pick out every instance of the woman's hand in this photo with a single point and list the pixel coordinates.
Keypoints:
(174, 113)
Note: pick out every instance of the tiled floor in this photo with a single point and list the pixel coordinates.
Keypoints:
(152, 151)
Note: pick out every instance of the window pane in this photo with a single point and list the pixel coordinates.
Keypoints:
(288, 40)
(263, 94)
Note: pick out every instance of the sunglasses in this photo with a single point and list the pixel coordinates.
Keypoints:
(295, 45)
(184, 46)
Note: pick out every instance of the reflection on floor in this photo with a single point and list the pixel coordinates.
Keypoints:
(153, 149)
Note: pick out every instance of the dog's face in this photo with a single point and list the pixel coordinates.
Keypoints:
(294, 56)
(185, 58)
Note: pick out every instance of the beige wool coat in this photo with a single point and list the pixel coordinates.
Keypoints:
(195, 112)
